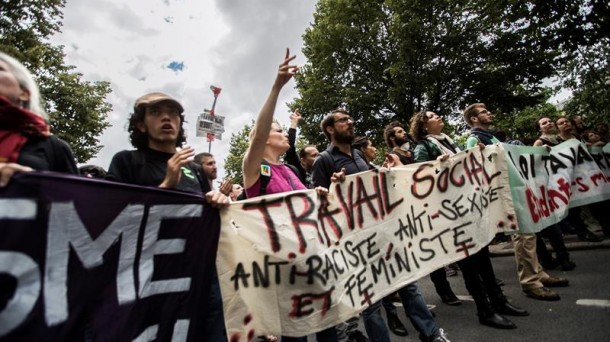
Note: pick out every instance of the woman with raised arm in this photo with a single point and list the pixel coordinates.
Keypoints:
(26, 142)
(268, 143)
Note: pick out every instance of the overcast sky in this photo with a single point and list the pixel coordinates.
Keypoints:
(181, 47)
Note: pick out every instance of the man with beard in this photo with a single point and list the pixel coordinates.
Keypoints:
(480, 279)
(208, 164)
(399, 142)
(338, 127)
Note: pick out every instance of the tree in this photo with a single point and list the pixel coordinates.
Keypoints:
(383, 60)
(523, 125)
(589, 78)
(238, 146)
(77, 108)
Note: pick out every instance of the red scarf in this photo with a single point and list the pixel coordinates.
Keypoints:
(16, 124)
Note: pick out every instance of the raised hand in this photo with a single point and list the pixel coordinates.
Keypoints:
(295, 118)
(226, 187)
(174, 164)
(286, 71)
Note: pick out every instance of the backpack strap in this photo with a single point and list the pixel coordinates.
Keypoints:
(265, 177)
(296, 173)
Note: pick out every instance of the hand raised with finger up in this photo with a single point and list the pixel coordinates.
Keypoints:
(286, 70)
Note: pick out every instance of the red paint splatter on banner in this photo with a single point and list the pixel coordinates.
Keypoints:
(367, 298)
(464, 248)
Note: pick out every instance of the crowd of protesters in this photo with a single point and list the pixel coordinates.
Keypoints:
(162, 159)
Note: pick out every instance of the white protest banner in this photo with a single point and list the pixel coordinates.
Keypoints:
(292, 264)
(545, 183)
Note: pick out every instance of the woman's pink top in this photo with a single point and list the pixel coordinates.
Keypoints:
(279, 181)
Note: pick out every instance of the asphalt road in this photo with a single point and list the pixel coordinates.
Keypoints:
(564, 320)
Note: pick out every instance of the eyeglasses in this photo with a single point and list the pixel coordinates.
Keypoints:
(484, 111)
(344, 119)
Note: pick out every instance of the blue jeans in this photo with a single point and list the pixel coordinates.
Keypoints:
(374, 324)
(417, 311)
(388, 305)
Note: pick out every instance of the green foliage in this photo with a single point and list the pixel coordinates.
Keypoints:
(77, 108)
(588, 75)
(522, 125)
(238, 146)
(384, 60)
(382, 150)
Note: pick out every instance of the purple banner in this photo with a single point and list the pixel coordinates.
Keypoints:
(84, 259)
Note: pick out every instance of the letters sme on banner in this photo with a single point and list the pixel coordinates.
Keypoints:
(545, 183)
(88, 259)
(293, 264)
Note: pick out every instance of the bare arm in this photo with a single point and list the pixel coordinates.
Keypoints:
(262, 127)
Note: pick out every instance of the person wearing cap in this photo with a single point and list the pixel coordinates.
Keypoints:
(155, 130)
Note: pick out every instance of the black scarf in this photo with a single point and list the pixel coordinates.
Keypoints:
(483, 135)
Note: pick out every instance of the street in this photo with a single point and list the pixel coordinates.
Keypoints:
(564, 320)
